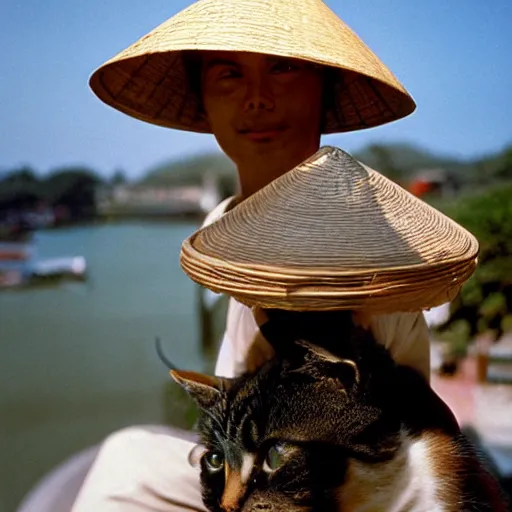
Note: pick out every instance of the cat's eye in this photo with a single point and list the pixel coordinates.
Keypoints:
(214, 460)
(275, 458)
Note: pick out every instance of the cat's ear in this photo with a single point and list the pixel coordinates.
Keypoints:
(345, 369)
(204, 389)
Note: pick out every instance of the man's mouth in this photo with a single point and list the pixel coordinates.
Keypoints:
(262, 133)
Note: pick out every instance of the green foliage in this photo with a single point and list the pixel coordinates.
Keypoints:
(506, 323)
(456, 331)
(493, 167)
(485, 301)
(400, 161)
(503, 167)
(73, 188)
(494, 304)
(22, 176)
(63, 182)
(118, 178)
(488, 216)
(19, 187)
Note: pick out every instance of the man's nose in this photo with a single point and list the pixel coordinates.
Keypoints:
(259, 96)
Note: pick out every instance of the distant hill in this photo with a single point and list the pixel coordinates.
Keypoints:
(400, 160)
(189, 171)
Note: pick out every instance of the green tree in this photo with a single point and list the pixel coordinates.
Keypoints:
(74, 189)
(118, 178)
(384, 162)
(20, 189)
(504, 166)
(485, 301)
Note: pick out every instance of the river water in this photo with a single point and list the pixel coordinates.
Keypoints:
(78, 361)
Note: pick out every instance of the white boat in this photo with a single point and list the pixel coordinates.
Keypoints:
(74, 267)
(15, 274)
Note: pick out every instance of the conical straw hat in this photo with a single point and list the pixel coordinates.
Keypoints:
(333, 234)
(147, 80)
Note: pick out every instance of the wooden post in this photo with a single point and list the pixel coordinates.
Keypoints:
(212, 310)
(205, 321)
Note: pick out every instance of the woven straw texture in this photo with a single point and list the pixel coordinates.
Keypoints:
(330, 234)
(147, 80)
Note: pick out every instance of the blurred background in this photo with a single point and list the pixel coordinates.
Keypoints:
(94, 207)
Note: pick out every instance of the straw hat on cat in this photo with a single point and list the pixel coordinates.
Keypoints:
(148, 80)
(333, 234)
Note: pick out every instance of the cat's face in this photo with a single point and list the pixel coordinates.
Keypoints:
(276, 476)
(284, 438)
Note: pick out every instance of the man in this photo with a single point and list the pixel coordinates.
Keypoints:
(267, 78)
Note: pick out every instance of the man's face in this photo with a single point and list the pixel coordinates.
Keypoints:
(262, 106)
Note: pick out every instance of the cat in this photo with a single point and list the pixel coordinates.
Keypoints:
(332, 423)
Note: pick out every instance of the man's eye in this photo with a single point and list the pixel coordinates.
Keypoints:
(284, 67)
(228, 73)
(214, 461)
(275, 458)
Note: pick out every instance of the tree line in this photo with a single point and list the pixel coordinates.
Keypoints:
(73, 188)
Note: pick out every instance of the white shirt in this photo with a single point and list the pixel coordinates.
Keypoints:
(404, 334)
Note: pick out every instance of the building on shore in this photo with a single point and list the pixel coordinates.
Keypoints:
(140, 200)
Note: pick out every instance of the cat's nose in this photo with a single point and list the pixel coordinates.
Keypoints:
(233, 491)
(230, 506)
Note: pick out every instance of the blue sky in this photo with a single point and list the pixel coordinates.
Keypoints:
(455, 58)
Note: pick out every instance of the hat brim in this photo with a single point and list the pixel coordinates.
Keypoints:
(148, 79)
